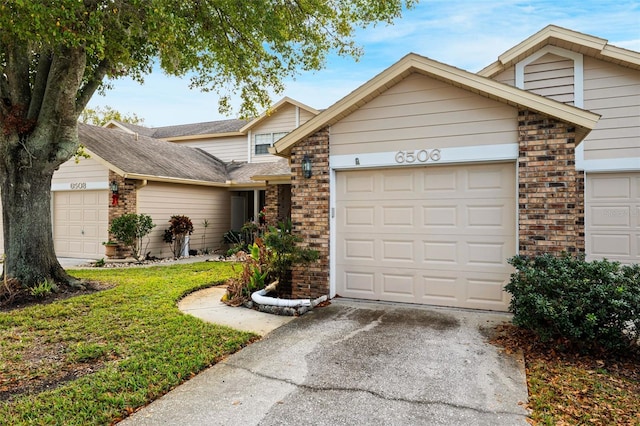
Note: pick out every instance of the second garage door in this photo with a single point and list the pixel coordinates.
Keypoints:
(80, 221)
(613, 217)
(436, 235)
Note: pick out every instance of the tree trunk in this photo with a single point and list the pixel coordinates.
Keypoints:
(28, 241)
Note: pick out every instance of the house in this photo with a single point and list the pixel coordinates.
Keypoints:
(203, 170)
(427, 178)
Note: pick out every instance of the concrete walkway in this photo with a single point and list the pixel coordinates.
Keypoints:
(350, 363)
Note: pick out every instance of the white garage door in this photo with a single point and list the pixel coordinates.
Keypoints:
(431, 235)
(613, 217)
(80, 222)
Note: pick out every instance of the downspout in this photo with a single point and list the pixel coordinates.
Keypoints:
(297, 117)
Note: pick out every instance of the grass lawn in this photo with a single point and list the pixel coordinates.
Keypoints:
(95, 358)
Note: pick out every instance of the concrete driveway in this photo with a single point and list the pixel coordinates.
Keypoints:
(357, 363)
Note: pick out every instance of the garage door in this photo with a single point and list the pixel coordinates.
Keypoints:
(613, 217)
(435, 235)
(80, 221)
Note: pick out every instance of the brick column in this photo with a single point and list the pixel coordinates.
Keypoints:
(277, 203)
(127, 202)
(551, 191)
(310, 214)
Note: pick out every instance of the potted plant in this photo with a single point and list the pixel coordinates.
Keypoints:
(110, 248)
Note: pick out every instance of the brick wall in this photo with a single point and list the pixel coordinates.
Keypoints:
(551, 191)
(277, 203)
(127, 203)
(310, 214)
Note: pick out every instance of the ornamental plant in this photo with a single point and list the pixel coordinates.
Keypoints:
(130, 229)
(179, 227)
(590, 305)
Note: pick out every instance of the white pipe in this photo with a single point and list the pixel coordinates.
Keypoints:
(260, 298)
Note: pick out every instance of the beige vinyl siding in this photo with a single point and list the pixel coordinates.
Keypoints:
(163, 200)
(232, 148)
(421, 112)
(551, 76)
(614, 92)
(281, 121)
(507, 76)
(86, 170)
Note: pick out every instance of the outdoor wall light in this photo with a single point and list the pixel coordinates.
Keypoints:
(306, 167)
(113, 186)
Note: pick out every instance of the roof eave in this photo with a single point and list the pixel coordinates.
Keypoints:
(273, 109)
(203, 136)
(455, 76)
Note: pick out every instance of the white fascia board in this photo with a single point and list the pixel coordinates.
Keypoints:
(467, 154)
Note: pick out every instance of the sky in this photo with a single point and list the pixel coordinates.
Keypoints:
(468, 34)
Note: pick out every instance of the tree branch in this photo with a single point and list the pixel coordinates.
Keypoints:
(39, 85)
(17, 72)
(93, 83)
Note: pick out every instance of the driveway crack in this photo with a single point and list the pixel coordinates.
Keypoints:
(316, 388)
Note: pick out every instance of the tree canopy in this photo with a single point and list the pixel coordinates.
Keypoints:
(99, 116)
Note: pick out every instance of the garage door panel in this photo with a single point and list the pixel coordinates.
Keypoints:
(613, 216)
(436, 235)
(80, 221)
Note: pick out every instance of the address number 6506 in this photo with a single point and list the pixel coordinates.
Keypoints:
(421, 156)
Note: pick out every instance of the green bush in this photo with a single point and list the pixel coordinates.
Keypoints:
(130, 229)
(593, 305)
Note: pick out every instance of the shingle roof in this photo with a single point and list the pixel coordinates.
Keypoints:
(206, 128)
(243, 172)
(145, 156)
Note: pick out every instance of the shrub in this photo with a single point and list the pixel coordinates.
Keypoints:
(271, 259)
(130, 229)
(592, 305)
(179, 227)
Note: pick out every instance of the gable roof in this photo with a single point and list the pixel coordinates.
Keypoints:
(274, 108)
(584, 121)
(249, 173)
(141, 157)
(553, 35)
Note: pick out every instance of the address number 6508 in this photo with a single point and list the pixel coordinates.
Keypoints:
(421, 156)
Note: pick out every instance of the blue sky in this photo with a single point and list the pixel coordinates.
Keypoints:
(468, 34)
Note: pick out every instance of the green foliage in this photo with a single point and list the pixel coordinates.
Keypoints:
(135, 329)
(286, 251)
(100, 116)
(130, 229)
(241, 240)
(179, 227)
(43, 289)
(100, 263)
(590, 304)
(271, 259)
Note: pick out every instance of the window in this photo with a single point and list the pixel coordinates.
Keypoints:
(264, 140)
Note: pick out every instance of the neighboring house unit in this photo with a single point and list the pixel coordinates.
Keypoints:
(204, 170)
(427, 178)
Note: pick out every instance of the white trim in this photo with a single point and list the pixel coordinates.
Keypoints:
(88, 186)
(467, 154)
(605, 165)
(250, 146)
(297, 116)
(578, 70)
(332, 234)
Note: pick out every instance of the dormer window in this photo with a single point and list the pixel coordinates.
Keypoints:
(263, 141)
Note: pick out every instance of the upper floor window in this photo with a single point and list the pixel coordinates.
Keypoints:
(263, 141)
